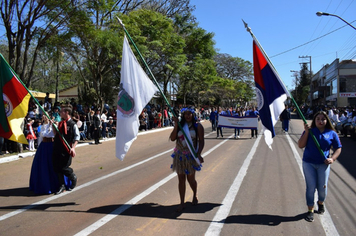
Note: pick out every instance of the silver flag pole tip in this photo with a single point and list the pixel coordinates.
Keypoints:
(120, 21)
(246, 26)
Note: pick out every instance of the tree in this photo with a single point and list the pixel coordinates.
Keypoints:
(240, 72)
(199, 69)
(161, 47)
(95, 48)
(169, 8)
(233, 68)
(28, 25)
(303, 87)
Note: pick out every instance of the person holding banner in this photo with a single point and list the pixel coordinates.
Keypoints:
(218, 128)
(212, 118)
(253, 113)
(184, 162)
(238, 113)
(316, 168)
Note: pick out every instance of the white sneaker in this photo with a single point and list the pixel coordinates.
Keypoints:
(238, 136)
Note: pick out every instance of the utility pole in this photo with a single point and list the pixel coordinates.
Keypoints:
(310, 64)
(295, 75)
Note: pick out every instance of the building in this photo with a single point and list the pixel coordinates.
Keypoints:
(69, 93)
(40, 96)
(334, 84)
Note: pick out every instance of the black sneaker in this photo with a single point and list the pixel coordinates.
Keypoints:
(321, 209)
(73, 178)
(310, 216)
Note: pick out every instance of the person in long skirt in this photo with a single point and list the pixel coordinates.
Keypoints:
(43, 179)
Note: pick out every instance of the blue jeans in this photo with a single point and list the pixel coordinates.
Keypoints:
(286, 125)
(213, 125)
(103, 130)
(316, 177)
(238, 132)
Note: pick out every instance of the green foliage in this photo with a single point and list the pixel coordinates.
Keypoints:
(302, 88)
(157, 41)
(236, 80)
(81, 43)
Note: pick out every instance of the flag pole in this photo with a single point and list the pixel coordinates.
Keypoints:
(160, 90)
(290, 95)
(39, 105)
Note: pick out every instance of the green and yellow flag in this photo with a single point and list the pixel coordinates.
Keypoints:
(13, 104)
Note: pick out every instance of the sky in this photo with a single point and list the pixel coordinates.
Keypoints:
(280, 25)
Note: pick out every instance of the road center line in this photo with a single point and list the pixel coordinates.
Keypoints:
(325, 219)
(96, 225)
(224, 210)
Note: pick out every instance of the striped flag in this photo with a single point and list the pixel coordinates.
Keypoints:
(13, 104)
(271, 92)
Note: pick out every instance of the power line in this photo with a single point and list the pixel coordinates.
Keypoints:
(310, 41)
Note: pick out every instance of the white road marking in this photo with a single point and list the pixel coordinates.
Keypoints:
(96, 225)
(325, 219)
(224, 210)
(8, 215)
(13, 213)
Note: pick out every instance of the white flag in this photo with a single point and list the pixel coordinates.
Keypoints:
(136, 90)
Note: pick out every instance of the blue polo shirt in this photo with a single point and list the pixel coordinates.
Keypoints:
(326, 139)
(213, 115)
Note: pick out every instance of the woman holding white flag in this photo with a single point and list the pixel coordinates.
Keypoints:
(184, 162)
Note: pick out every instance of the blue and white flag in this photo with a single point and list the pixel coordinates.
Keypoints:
(136, 90)
(271, 93)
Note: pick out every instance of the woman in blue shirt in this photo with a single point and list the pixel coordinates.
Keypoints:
(316, 167)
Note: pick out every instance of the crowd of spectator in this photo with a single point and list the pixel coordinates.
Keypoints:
(343, 118)
(153, 116)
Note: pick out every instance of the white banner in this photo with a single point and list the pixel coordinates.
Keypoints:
(238, 122)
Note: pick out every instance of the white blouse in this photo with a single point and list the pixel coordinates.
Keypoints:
(46, 131)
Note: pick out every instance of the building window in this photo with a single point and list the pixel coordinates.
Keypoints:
(342, 84)
(334, 87)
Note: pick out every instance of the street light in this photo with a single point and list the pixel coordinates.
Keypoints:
(328, 14)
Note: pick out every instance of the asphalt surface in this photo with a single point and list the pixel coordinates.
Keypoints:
(244, 188)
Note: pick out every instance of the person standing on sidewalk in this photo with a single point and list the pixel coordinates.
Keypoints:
(316, 168)
(97, 126)
(62, 157)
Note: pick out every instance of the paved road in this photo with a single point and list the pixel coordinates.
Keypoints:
(244, 189)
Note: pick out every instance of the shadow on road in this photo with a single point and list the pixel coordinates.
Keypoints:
(154, 210)
(347, 156)
(256, 219)
(39, 207)
(17, 192)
